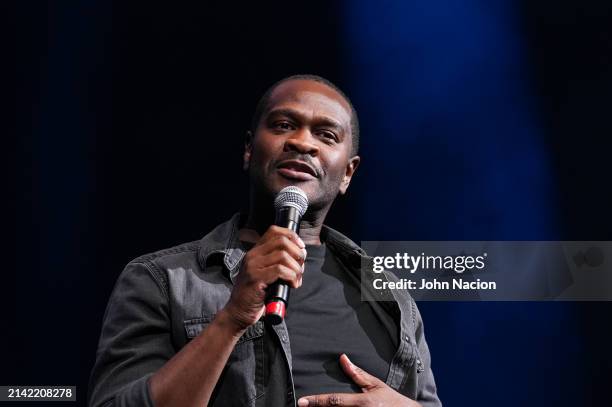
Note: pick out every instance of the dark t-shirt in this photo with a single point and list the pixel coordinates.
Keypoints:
(326, 318)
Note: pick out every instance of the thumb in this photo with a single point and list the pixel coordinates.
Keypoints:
(362, 378)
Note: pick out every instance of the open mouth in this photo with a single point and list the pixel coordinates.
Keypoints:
(298, 170)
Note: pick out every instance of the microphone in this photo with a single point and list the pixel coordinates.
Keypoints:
(290, 205)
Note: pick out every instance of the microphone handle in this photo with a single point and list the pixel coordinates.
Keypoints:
(277, 300)
(288, 217)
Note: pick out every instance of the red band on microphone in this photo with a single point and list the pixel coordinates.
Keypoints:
(276, 308)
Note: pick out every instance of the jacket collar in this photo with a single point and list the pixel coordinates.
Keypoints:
(223, 242)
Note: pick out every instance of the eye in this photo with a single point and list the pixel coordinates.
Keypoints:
(329, 136)
(283, 125)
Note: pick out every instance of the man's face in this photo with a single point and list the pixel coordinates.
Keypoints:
(303, 139)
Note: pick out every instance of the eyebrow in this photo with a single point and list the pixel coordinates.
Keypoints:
(297, 116)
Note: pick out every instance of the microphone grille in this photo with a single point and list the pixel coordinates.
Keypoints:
(292, 196)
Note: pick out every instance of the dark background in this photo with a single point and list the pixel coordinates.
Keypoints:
(480, 120)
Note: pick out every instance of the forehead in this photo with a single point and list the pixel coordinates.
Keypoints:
(312, 98)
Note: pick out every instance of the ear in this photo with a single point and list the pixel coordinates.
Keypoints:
(248, 149)
(351, 167)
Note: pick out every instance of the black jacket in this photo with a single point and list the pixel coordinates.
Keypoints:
(163, 299)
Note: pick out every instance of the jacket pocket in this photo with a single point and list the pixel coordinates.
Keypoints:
(195, 326)
(242, 380)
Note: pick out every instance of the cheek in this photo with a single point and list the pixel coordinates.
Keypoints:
(261, 153)
(335, 165)
(265, 146)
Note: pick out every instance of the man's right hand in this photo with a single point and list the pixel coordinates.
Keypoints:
(278, 254)
(190, 376)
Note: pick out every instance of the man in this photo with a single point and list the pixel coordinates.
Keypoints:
(184, 326)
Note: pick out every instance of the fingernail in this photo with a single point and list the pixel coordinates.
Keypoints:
(302, 402)
(302, 245)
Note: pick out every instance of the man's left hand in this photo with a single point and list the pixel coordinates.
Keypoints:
(375, 392)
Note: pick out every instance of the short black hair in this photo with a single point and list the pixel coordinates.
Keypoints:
(265, 99)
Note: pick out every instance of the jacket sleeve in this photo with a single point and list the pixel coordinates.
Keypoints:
(427, 393)
(135, 340)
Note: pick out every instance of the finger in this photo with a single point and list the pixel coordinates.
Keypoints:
(281, 272)
(282, 243)
(277, 230)
(281, 258)
(362, 378)
(334, 399)
(289, 247)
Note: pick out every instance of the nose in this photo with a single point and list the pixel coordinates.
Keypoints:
(302, 142)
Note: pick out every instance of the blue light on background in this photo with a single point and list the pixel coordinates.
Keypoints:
(452, 143)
